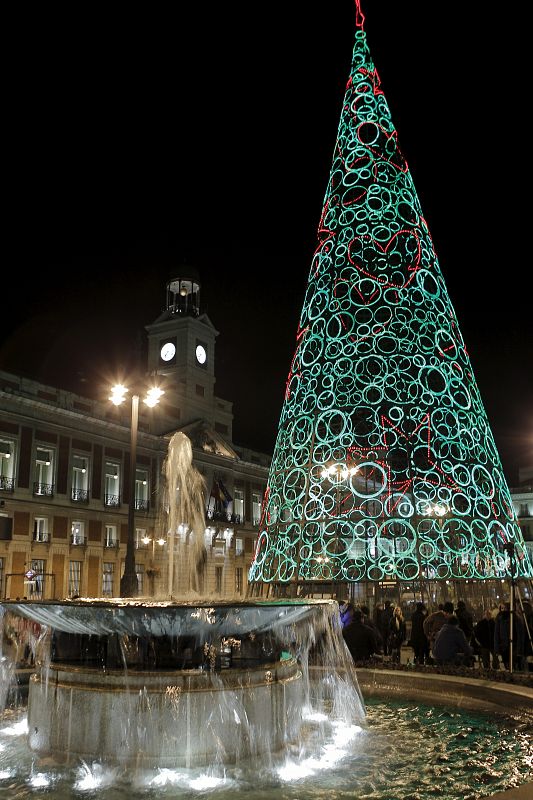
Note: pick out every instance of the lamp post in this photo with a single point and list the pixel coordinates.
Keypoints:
(509, 549)
(128, 582)
(438, 511)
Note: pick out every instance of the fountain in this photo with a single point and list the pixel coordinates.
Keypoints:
(245, 697)
(181, 681)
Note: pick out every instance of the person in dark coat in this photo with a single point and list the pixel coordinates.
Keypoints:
(434, 622)
(466, 620)
(397, 634)
(367, 619)
(484, 635)
(359, 638)
(384, 623)
(502, 645)
(451, 645)
(419, 640)
(527, 615)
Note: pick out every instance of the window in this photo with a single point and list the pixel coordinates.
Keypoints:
(74, 578)
(142, 540)
(239, 546)
(219, 546)
(77, 532)
(40, 529)
(7, 459)
(141, 490)
(107, 579)
(111, 538)
(256, 508)
(112, 484)
(139, 570)
(218, 580)
(238, 503)
(36, 585)
(44, 470)
(238, 580)
(80, 478)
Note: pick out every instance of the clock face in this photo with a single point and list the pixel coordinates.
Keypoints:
(168, 351)
(201, 355)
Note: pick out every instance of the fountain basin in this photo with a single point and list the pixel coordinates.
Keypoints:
(182, 684)
(165, 719)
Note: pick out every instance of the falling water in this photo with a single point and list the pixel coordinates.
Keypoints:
(182, 520)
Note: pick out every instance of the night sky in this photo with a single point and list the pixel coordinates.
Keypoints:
(142, 140)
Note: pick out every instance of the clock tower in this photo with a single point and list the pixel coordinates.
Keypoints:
(181, 347)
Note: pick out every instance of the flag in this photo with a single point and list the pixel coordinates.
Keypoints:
(215, 490)
(216, 495)
(226, 497)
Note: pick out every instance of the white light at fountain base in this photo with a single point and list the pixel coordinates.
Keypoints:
(95, 777)
(18, 729)
(330, 755)
(167, 777)
(40, 780)
(206, 782)
(315, 716)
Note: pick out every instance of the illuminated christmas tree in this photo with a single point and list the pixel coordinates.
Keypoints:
(385, 466)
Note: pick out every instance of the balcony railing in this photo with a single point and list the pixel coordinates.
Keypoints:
(112, 500)
(43, 489)
(77, 540)
(111, 543)
(223, 516)
(42, 537)
(6, 484)
(79, 495)
(141, 505)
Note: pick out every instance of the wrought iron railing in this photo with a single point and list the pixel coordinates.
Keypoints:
(111, 543)
(141, 505)
(79, 495)
(43, 489)
(6, 484)
(42, 536)
(112, 500)
(223, 516)
(77, 540)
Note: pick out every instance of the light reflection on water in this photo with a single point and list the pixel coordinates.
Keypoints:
(403, 752)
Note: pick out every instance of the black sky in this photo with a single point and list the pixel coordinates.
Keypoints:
(140, 139)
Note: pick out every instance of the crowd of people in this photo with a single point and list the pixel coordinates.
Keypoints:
(450, 635)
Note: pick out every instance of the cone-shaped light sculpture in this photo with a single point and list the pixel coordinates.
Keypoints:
(385, 466)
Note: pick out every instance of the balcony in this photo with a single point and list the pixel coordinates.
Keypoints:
(43, 489)
(112, 543)
(141, 505)
(223, 516)
(77, 540)
(6, 484)
(79, 495)
(112, 500)
(41, 537)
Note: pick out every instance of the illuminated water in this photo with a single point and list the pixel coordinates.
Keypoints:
(401, 752)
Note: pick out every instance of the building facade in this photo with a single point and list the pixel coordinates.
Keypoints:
(522, 497)
(66, 482)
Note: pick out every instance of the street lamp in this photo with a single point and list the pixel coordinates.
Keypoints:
(128, 582)
(510, 550)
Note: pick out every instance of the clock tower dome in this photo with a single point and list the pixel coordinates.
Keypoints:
(181, 347)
